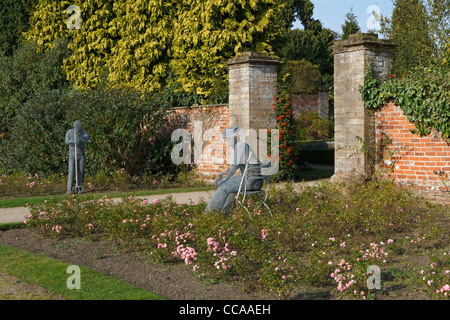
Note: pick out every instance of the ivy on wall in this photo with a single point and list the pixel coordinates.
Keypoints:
(422, 94)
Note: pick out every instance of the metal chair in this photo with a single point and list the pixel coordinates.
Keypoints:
(263, 193)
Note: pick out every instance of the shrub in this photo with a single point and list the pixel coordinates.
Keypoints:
(25, 184)
(310, 126)
(435, 278)
(122, 125)
(124, 129)
(37, 135)
(26, 72)
(301, 77)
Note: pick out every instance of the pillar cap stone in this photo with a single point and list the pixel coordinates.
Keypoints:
(253, 57)
(367, 39)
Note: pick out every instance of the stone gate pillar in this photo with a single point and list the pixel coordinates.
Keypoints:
(351, 60)
(253, 85)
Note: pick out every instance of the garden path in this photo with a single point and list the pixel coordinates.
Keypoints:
(9, 215)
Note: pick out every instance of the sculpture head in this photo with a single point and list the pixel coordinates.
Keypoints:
(231, 135)
(77, 125)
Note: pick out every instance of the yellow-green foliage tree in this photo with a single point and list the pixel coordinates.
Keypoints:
(91, 45)
(447, 55)
(48, 22)
(140, 57)
(143, 43)
(208, 33)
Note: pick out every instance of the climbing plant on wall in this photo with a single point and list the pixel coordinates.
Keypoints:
(287, 135)
(423, 94)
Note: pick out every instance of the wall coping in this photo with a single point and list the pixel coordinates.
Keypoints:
(363, 39)
(253, 58)
(202, 106)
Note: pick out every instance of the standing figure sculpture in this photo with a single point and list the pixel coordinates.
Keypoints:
(224, 197)
(76, 138)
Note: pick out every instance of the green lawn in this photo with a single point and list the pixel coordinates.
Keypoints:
(52, 275)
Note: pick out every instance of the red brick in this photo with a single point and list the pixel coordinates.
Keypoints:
(423, 156)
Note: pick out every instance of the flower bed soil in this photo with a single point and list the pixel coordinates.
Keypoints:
(173, 281)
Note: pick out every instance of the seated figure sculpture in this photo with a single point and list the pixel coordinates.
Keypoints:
(224, 197)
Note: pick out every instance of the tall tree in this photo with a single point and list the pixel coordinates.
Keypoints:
(140, 57)
(410, 30)
(350, 25)
(140, 44)
(311, 44)
(208, 33)
(91, 45)
(14, 20)
(48, 22)
(439, 24)
(303, 11)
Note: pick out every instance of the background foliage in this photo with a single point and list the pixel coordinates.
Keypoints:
(439, 22)
(411, 33)
(350, 25)
(300, 77)
(312, 43)
(310, 126)
(26, 72)
(123, 127)
(421, 29)
(138, 44)
(14, 19)
(208, 33)
(149, 44)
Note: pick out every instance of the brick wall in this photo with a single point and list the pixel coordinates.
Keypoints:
(416, 158)
(311, 102)
(205, 125)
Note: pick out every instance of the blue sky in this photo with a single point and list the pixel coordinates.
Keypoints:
(332, 12)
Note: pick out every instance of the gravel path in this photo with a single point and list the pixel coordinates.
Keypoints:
(18, 214)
